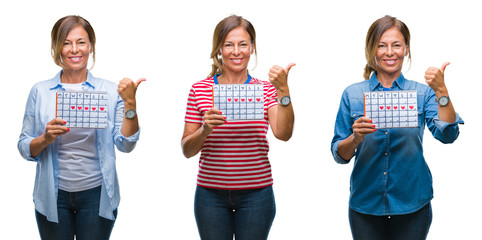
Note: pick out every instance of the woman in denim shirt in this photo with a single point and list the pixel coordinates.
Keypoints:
(76, 190)
(391, 184)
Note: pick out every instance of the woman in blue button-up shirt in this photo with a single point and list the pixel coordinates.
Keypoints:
(391, 184)
(76, 189)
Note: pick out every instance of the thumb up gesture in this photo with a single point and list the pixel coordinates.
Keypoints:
(127, 90)
(278, 76)
(434, 77)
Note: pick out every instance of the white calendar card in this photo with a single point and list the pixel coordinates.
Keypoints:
(392, 109)
(82, 109)
(239, 101)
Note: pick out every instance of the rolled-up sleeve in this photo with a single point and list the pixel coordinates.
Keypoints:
(123, 144)
(442, 131)
(343, 128)
(447, 132)
(28, 128)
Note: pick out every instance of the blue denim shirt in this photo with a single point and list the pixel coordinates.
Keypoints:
(40, 109)
(390, 175)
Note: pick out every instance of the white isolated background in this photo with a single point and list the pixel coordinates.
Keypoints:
(169, 42)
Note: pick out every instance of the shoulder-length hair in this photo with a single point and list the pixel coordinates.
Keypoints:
(60, 31)
(374, 34)
(219, 36)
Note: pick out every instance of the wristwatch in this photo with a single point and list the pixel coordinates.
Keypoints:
(443, 101)
(130, 114)
(284, 101)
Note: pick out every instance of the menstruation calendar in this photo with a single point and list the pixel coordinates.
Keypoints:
(239, 101)
(82, 109)
(392, 109)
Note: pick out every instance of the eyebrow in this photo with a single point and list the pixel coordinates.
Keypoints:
(387, 43)
(242, 41)
(80, 39)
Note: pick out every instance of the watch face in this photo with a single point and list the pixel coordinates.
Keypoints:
(285, 100)
(443, 101)
(130, 114)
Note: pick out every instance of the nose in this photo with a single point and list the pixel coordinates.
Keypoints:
(74, 48)
(236, 50)
(389, 50)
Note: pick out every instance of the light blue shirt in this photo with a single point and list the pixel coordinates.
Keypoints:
(390, 175)
(40, 109)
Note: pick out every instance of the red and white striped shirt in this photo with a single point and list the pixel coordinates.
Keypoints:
(235, 155)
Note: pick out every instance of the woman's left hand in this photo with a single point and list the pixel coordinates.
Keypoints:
(434, 77)
(127, 90)
(278, 76)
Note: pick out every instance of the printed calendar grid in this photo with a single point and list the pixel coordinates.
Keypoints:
(239, 101)
(82, 109)
(391, 109)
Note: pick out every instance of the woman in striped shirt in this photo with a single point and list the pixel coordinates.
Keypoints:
(234, 194)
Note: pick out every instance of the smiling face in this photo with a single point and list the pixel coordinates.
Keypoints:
(236, 50)
(76, 49)
(391, 51)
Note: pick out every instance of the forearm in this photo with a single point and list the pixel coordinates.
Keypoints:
(192, 144)
(129, 126)
(347, 147)
(37, 145)
(446, 113)
(285, 117)
(285, 121)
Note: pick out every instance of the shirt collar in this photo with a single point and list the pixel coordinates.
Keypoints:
(215, 78)
(91, 81)
(398, 84)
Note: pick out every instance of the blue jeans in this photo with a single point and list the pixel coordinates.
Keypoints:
(247, 214)
(78, 215)
(413, 226)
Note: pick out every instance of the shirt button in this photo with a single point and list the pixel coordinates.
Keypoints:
(386, 154)
(384, 173)
(386, 133)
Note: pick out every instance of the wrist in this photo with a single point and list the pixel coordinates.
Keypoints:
(44, 140)
(281, 92)
(130, 105)
(357, 140)
(442, 91)
(205, 131)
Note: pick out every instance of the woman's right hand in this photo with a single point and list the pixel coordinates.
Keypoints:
(195, 134)
(362, 127)
(212, 119)
(55, 128)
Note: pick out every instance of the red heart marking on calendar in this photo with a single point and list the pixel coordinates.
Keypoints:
(229, 99)
(258, 99)
(101, 108)
(395, 107)
(411, 107)
(250, 99)
(86, 108)
(73, 107)
(79, 107)
(388, 107)
(381, 107)
(403, 107)
(93, 108)
(236, 100)
(242, 99)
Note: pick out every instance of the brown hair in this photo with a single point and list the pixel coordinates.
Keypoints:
(374, 34)
(60, 31)
(220, 33)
